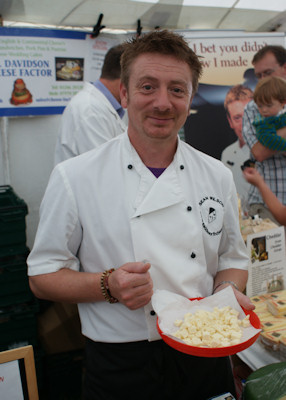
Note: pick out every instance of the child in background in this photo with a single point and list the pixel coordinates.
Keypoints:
(277, 209)
(270, 98)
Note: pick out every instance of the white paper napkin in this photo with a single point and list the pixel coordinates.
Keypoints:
(170, 306)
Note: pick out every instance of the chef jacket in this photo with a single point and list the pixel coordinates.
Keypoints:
(105, 208)
(88, 121)
(233, 158)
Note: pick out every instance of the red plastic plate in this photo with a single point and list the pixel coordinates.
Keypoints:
(213, 351)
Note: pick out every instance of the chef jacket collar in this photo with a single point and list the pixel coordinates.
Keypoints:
(156, 193)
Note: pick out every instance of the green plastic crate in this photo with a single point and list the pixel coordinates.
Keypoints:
(18, 326)
(12, 250)
(13, 211)
(14, 282)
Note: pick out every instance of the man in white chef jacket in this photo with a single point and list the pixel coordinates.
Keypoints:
(94, 115)
(144, 211)
(235, 155)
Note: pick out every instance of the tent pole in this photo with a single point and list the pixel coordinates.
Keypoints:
(5, 152)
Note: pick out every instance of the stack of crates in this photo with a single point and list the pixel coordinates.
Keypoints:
(18, 306)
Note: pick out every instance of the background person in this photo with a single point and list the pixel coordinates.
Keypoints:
(268, 61)
(94, 115)
(275, 206)
(156, 199)
(238, 152)
(270, 98)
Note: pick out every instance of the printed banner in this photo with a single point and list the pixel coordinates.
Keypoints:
(227, 60)
(96, 50)
(226, 56)
(267, 268)
(40, 70)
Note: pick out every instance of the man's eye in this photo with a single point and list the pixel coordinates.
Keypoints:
(178, 91)
(238, 117)
(147, 87)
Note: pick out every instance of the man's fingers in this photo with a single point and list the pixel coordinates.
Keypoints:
(244, 301)
(132, 285)
(136, 267)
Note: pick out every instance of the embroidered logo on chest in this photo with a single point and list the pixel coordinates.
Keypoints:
(211, 209)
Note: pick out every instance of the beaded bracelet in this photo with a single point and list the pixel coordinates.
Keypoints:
(105, 288)
(223, 282)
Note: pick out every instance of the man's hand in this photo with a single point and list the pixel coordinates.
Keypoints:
(244, 301)
(132, 285)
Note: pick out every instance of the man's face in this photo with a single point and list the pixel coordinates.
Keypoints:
(268, 66)
(235, 114)
(158, 98)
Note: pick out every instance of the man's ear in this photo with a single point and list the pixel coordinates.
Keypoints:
(123, 95)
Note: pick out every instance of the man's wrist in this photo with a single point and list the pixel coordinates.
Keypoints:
(104, 286)
(226, 283)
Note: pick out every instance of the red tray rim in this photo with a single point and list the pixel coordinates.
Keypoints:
(213, 351)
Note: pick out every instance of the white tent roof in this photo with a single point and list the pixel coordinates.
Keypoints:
(249, 15)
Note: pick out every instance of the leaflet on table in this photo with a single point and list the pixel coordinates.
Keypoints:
(267, 265)
(10, 381)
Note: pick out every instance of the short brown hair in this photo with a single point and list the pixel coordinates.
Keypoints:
(162, 42)
(269, 88)
(279, 53)
(111, 68)
(237, 93)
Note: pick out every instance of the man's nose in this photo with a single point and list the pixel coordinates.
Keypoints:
(162, 99)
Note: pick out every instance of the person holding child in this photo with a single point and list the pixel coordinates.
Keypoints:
(269, 61)
(270, 125)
